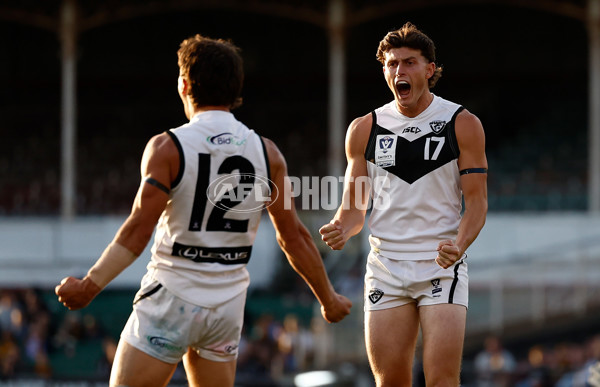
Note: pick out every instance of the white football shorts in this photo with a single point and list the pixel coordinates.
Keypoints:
(164, 326)
(390, 283)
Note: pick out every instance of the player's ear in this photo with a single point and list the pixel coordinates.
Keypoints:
(430, 70)
(182, 86)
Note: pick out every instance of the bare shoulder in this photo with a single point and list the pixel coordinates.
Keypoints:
(468, 124)
(361, 126)
(276, 159)
(161, 151)
(162, 147)
(161, 142)
(358, 134)
(469, 131)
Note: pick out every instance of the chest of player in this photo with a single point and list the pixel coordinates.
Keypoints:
(412, 150)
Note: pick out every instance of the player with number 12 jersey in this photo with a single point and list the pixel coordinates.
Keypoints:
(204, 237)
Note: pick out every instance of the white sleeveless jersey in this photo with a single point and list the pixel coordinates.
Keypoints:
(204, 237)
(415, 182)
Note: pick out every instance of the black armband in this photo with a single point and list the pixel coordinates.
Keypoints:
(473, 170)
(157, 184)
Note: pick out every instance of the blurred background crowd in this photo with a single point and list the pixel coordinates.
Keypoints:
(39, 341)
(521, 67)
(500, 62)
(540, 169)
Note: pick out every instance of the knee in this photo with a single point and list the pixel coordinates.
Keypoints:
(393, 379)
(441, 379)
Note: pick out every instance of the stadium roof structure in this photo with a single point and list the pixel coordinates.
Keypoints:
(70, 18)
(94, 13)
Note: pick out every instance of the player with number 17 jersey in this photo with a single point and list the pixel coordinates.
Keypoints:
(414, 158)
(205, 235)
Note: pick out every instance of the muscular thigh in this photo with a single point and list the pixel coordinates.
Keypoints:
(443, 328)
(391, 336)
(135, 368)
(207, 373)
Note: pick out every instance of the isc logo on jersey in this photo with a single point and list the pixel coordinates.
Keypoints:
(385, 150)
(226, 139)
(412, 129)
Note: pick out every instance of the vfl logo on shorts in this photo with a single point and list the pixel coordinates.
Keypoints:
(375, 295)
(436, 287)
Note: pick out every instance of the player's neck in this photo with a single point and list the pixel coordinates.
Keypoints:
(195, 110)
(202, 109)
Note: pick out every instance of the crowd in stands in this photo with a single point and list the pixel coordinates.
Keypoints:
(36, 343)
(25, 329)
(560, 364)
(536, 170)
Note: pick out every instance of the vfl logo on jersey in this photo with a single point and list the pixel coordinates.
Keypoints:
(385, 150)
(375, 295)
(226, 139)
(436, 287)
(385, 143)
(437, 126)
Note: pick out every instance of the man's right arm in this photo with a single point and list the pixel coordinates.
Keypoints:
(160, 164)
(350, 216)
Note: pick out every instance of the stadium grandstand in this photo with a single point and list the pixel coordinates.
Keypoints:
(85, 84)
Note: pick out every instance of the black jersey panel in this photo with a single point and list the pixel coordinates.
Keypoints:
(411, 163)
(417, 158)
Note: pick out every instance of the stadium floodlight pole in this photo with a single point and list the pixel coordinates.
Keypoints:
(337, 88)
(593, 24)
(68, 39)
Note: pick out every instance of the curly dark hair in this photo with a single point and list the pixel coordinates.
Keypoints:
(410, 36)
(214, 69)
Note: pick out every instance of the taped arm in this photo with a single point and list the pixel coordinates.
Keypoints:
(151, 199)
(135, 233)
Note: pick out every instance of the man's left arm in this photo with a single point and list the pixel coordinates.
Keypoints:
(473, 165)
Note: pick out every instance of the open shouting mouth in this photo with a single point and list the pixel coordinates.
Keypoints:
(403, 88)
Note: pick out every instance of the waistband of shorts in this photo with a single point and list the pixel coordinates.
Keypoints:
(405, 255)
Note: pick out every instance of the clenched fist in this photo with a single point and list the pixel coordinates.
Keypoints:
(75, 293)
(448, 254)
(333, 234)
(337, 309)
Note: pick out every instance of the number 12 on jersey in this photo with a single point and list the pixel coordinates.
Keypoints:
(216, 220)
